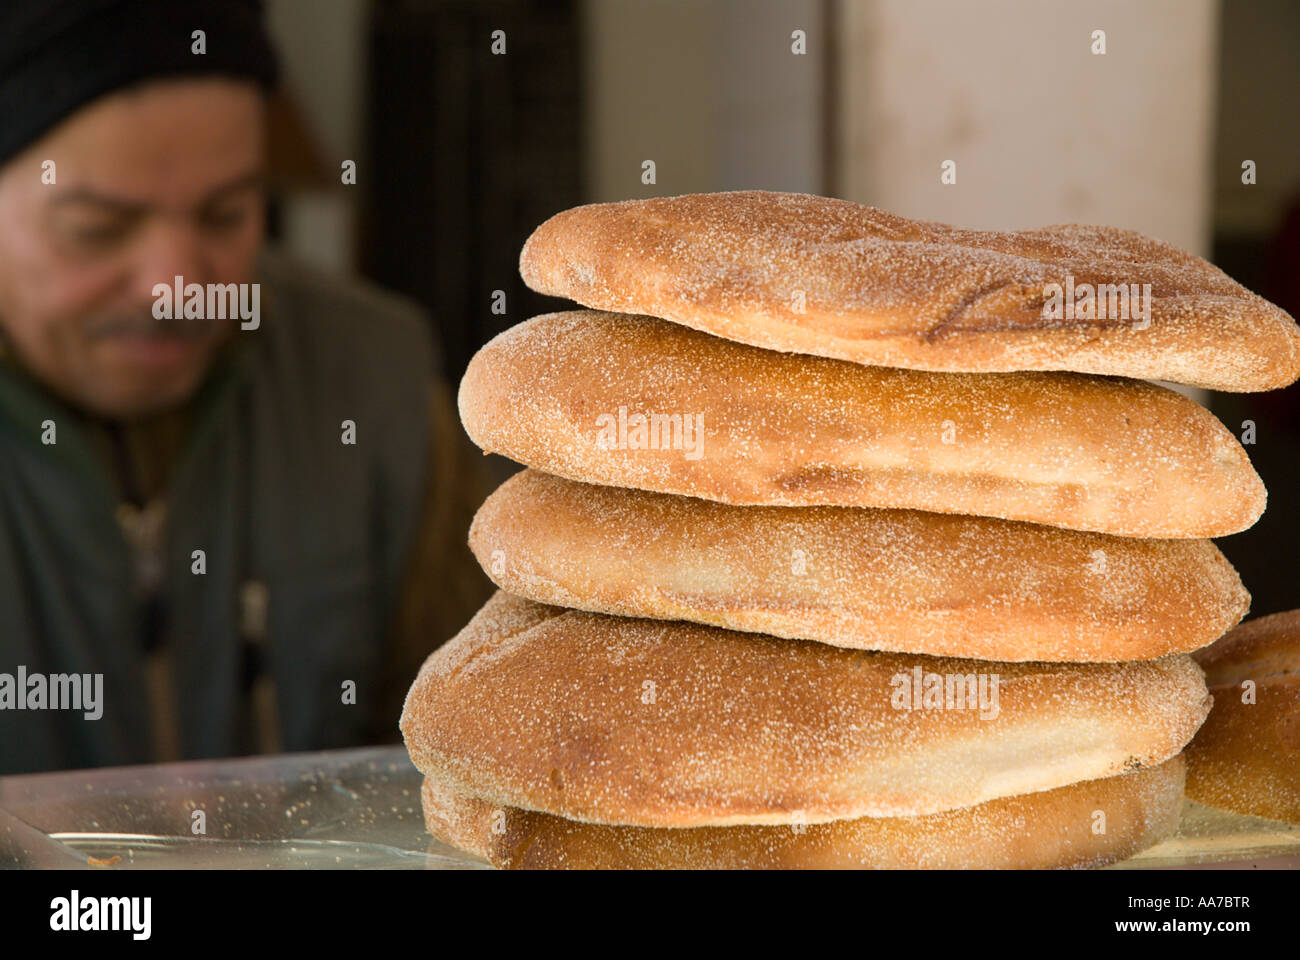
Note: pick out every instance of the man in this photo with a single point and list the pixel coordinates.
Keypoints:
(221, 531)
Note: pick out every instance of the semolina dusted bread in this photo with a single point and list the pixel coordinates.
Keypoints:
(809, 274)
(667, 724)
(728, 422)
(898, 580)
(1049, 829)
(1246, 758)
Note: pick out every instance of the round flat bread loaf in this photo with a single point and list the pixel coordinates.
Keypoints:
(1247, 756)
(636, 402)
(899, 580)
(667, 724)
(1054, 828)
(808, 274)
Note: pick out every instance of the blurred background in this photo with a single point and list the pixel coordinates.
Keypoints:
(466, 138)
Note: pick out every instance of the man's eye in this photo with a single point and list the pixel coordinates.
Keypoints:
(227, 219)
(99, 235)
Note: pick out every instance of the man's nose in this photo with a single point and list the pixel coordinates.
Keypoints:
(167, 251)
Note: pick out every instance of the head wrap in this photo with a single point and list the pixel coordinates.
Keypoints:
(59, 55)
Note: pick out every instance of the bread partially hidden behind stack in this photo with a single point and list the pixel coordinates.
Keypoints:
(1090, 453)
(1246, 758)
(819, 275)
(663, 724)
(901, 580)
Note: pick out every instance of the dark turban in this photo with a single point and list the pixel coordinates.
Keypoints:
(58, 55)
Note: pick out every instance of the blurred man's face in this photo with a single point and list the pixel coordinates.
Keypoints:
(153, 183)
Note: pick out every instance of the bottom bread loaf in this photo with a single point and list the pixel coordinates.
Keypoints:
(1085, 824)
(560, 738)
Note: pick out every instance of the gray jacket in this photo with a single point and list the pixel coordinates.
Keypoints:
(305, 538)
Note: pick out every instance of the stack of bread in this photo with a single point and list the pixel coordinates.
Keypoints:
(836, 548)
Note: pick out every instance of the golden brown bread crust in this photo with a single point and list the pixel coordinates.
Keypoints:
(899, 580)
(1258, 649)
(884, 290)
(1091, 453)
(1054, 828)
(666, 724)
(1246, 758)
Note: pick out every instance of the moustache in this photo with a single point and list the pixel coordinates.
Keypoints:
(144, 324)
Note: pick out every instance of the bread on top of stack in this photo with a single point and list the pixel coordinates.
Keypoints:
(837, 548)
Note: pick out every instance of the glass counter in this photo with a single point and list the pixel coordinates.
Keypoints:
(349, 809)
(338, 809)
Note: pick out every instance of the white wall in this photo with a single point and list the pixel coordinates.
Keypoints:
(1042, 130)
